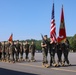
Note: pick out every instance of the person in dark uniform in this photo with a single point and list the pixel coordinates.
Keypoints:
(21, 51)
(52, 51)
(17, 50)
(59, 54)
(32, 49)
(44, 46)
(0, 51)
(26, 50)
(66, 51)
(12, 52)
(3, 52)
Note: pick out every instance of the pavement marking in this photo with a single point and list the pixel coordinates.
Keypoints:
(30, 65)
(58, 69)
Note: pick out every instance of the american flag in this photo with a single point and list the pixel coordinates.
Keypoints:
(53, 27)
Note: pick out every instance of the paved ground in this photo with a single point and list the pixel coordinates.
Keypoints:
(35, 68)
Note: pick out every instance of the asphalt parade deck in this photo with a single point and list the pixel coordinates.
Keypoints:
(35, 68)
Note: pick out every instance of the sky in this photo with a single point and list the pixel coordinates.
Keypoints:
(28, 19)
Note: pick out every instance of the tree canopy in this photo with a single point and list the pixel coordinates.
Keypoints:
(72, 40)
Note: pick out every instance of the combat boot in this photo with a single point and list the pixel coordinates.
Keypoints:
(43, 64)
(47, 65)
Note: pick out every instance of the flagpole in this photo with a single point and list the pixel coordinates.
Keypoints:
(62, 5)
(53, 1)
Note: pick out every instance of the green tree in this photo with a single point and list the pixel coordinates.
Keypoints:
(73, 43)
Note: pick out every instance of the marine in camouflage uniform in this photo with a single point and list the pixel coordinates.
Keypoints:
(26, 50)
(0, 51)
(17, 50)
(32, 49)
(3, 52)
(44, 46)
(59, 54)
(66, 51)
(7, 51)
(12, 52)
(52, 51)
(21, 51)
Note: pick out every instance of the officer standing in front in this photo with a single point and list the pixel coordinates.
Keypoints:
(44, 46)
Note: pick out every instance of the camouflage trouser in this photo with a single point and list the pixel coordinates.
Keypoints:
(17, 56)
(32, 55)
(7, 56)
(12, 56)
(59, 54)
(3, 55)
(45, 53)
(27, 53)
(66, 57)
(21, 55)
(52, 57)
(0, 55)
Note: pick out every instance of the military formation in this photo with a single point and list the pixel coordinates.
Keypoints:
(13, 52)
(52, 48)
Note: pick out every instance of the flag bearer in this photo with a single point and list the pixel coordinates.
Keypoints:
(66, 51)
(52, 54)
(59, 54)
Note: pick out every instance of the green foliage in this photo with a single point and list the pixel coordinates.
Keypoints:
(37, 43)
(73, 43)
(72, 40)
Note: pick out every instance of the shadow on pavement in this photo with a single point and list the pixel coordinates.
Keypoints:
(73, 65)
(68, 65)
(11, 72)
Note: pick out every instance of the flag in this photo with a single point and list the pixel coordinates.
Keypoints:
(62, 30)
(10, 38)
(53, 27)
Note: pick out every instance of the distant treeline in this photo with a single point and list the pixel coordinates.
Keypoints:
(72, 40)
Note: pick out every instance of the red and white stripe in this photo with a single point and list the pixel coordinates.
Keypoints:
(53, 28)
